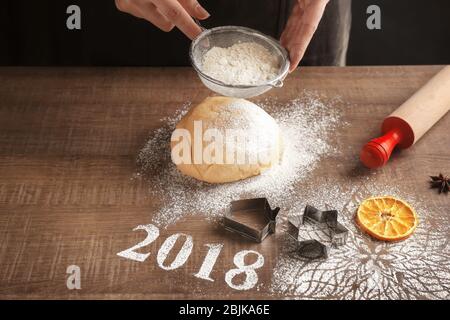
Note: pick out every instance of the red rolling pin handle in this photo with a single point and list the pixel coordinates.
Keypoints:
(377, 152)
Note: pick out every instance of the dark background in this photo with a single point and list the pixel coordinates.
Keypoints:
(34, 32)
(413, 32)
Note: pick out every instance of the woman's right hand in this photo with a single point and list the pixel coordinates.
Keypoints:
(167, 14)
(300, 28)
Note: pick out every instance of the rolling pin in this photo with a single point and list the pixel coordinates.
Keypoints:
(406, 125)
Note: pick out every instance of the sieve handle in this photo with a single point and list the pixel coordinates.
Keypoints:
(277, 84)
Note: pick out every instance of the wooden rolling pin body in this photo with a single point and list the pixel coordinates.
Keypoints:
(406, 125)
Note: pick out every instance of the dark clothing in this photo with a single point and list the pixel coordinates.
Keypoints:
(35, 33)
(330, 43)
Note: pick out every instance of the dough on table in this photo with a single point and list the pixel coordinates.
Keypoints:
(256, 135)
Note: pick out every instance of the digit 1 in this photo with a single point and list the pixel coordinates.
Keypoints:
(209, 261)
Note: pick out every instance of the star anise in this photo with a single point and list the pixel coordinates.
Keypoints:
(440, 182)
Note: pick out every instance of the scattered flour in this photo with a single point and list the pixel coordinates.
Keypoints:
(304, 123)
(417, 268)
(246, 63)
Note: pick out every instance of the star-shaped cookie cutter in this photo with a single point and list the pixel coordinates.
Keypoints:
(238, 218)
(313, 248)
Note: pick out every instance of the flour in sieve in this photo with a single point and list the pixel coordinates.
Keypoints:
(246, 63)
(305, 124)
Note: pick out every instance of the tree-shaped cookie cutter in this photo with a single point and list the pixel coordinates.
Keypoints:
(258, 207)
(313, 248)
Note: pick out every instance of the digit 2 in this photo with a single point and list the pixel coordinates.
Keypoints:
(152, 235)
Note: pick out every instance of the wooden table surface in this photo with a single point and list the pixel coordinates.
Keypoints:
(69, 138)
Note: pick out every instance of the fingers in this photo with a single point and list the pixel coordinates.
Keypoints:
(297, 47)
(195, 9)
(146, 10)
(165, 14)
(151, 14)
(125, 6)
(174, 12)
(294, 19)
(300, 29)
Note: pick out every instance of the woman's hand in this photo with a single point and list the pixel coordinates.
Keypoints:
(166, 14)
(300, 28)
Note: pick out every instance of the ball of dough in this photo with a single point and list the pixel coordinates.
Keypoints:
(226, 139)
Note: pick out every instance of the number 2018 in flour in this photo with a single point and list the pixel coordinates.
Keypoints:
(214, 250)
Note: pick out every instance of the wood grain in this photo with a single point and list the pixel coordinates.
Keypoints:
(68, 144)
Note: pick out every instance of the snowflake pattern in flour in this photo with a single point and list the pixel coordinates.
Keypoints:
(416, 268)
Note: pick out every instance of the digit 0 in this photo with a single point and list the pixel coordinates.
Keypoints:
(182, 255)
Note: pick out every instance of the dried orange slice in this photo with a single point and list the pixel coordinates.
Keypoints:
(387, 218)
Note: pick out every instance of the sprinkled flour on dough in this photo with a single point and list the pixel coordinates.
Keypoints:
(304, 123)
(246, 63)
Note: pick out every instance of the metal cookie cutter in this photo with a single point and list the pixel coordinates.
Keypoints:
(332, 232)
(251, 218)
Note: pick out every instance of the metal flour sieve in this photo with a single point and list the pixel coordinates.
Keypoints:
(225, 37)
